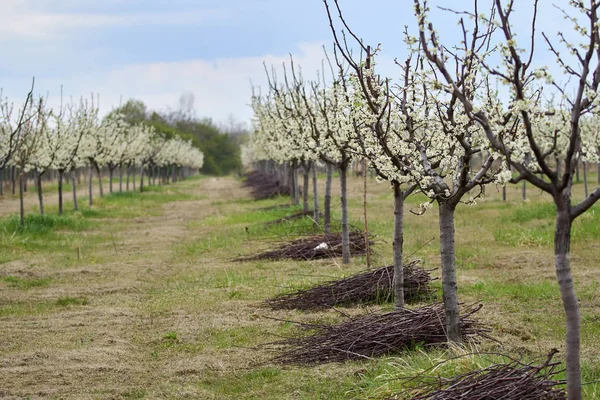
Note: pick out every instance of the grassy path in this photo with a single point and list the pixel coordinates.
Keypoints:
(138, 297)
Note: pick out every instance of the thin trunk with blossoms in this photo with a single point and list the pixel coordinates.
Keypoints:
(413, 132)
(524, 125)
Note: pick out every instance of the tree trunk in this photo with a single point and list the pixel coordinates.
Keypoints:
(90, 183)
(127, 180)
(296, 186)
(366, 233)
(21, 204)
(99, 172)
(345, 227)
(121, 178)
(449, 285)
(2, 182)
(305, 185)
(142, 179)
(173, 173)
(40, 193)
(110, 178)
(504, 193)
(60, 192)
(585, 182)
(524, 190)
(577, 170)
(74, 186)
(562, 244)
(315, 195)
(327, 204)
(13, 177)
(398, 243)
(133, 178)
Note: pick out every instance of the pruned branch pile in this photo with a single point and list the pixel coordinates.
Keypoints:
(511, 381)
(264, 186)
(367, 287)
(374, 335)
(312, 248)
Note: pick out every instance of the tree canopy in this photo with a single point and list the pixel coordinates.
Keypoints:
(221, 149)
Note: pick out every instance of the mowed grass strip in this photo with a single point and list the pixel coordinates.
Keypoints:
(155, 299)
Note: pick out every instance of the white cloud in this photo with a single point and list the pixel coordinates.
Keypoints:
(22, 19)
(221, 87)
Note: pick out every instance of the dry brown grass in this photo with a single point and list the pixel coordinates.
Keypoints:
(165, 315)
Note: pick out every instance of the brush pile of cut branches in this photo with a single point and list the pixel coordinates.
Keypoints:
(264, 186)
(367, 287)
(312, 248)
(511, 381)
(374, 335)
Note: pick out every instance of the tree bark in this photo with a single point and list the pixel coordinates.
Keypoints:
(2, 182)
(121, 178)
(133, 179)
(128, 174)
(90, 184)
(449, 285)
(398, 243)
(110, 178)
(562, 244)
(366, 232)
(345, 227)
(305, 184)
(13, 178)
(21, 204)
(60, 192)
(99, 180)
(524, 190)
(315, 195)
(296, 186)
(74, 186)
(585, 182)
(327, 203)
(142, 179)
(40, 193)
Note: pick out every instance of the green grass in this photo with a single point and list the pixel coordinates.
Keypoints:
(71, 301)
(40, 225)
(25, 283)
(184, 310)
(533, 225)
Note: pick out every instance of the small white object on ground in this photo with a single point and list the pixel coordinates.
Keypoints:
(322, 246)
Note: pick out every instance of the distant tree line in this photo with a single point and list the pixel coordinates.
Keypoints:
(220, 144)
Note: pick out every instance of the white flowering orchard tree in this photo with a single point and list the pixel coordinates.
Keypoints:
(429, 140)
(267, 146)
(71, 125)
(519, 125)
(379, 134)
(27, 144)
(290, 114)
(10, 128)
(333, 131)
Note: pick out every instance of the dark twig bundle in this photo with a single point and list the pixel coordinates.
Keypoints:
(511, 381)
(367, 287)
(264, 186)
(312, 248)
(375, 335)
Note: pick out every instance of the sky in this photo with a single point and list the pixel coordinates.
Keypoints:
(156, 50)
